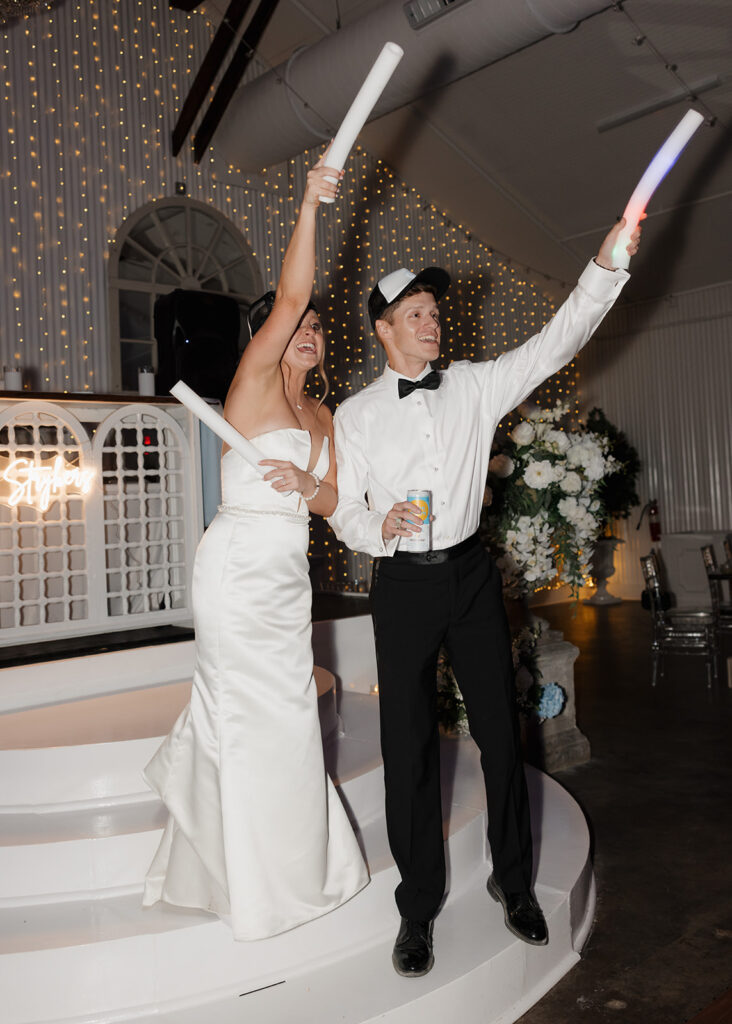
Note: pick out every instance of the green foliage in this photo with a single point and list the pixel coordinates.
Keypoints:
(617, 490)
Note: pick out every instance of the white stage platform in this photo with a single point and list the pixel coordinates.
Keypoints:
(78, 829)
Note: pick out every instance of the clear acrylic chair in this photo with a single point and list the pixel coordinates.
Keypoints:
(721, 609)
(677, 631)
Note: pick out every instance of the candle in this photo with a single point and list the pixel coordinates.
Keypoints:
(365, 101)
(146, 381)
(656, 171)
(216, 422)
(13, 380)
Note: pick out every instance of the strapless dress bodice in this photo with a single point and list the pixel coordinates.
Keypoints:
(242, 487)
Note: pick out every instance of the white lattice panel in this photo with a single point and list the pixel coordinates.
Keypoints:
(143, 484)
(98, 520)
(43, 523)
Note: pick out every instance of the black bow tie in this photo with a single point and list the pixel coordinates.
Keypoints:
(431, 382)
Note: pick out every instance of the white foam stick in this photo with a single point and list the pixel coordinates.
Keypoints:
(365, 101)
(216, 422)
(656, 171)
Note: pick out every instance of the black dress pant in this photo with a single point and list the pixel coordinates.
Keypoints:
(416, 608)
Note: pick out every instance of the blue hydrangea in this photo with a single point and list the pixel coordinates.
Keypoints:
(552, 701)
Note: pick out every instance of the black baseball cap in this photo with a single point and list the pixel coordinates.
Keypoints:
(395, 285)
(262, 307)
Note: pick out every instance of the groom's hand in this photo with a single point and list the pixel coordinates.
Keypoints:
(403, 520)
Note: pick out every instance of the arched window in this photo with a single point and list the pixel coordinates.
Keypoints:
(168, 244)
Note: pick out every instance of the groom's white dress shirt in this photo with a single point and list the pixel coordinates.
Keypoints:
(441, 440)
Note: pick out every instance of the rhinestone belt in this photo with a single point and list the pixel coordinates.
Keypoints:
(265, 513)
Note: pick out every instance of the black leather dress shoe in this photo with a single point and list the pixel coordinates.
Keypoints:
(412, 956)
(522, 914)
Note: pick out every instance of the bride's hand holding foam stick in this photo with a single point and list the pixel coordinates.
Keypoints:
(322, 183)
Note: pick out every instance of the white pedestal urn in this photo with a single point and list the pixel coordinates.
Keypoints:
(602, 569)
(556, 743)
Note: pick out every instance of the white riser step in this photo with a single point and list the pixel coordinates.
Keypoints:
(113, 854)
(168, 955)
(481, 975)
(335, 969)
(104, 917)
(85, 775)
(91, 869)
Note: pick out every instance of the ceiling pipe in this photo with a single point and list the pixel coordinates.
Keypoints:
(300, 103)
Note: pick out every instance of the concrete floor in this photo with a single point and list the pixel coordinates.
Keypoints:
(658, 796)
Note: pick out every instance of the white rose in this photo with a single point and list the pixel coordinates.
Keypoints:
(539, 474)
(571, 483)
(568, 508)
(501, 466)
(558, 438)
(523, 434)
(595, 468)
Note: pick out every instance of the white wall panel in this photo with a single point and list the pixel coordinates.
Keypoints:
(662, 372)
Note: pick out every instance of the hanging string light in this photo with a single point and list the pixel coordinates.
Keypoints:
(11, 10)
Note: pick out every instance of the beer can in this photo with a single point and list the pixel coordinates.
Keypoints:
(420, 541)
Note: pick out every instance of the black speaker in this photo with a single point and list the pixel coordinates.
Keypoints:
(198, 341)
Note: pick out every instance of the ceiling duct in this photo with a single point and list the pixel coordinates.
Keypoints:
(421, 12)
(300, 103)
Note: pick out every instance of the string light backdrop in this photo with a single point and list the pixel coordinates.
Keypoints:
(90, 92)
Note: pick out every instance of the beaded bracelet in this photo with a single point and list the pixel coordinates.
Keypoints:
(310, 497)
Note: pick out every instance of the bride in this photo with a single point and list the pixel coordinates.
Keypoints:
(256, 832)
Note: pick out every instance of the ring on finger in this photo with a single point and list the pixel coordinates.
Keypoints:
(398, 522)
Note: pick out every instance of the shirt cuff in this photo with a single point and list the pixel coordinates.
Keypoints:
(602, 284)
(381, 548)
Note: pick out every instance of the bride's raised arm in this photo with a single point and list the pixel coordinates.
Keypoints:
(261, 358)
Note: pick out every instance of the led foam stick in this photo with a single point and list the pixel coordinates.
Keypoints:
(365, 101)
(216, 422)
(656, 171)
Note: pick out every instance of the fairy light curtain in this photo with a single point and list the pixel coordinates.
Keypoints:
(89, 93)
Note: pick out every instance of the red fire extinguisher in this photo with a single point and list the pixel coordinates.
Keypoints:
(654, 522)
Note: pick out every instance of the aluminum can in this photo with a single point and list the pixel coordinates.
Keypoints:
(420, 541)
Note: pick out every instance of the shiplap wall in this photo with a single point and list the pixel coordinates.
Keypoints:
(662, 372)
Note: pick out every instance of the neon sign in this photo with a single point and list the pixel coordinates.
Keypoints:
(38, 485)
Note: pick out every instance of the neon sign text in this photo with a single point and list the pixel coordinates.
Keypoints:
(38, 485)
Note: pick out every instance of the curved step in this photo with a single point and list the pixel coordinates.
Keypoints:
(78, 828)
(90, 752)
(90, 852)
(194, 968)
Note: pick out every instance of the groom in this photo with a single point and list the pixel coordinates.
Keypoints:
(415, 427)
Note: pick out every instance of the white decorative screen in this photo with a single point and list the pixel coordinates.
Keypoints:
(144, 505)
(98, 520)
(44, 462)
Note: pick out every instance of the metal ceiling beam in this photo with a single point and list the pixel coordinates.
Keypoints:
(225, 35)
(233, 76)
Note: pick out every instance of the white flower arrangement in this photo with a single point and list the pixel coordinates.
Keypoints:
(546, 514)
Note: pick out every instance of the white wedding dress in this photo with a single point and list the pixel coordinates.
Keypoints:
(256, 831)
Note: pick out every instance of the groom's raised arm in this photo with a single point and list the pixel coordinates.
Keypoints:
(510, 379)
(353, 521)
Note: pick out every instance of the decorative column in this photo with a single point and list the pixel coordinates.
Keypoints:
(556, 743)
